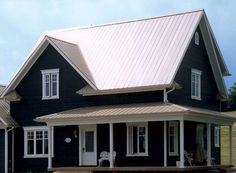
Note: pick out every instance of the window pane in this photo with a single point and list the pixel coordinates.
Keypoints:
(30, 147)
(45, 146)
(30, 135)
(142, 144)
(47, 85)
(89, 141)
(54, 84)
(39, 134)
(172, 144)
(39, 146)
(135, 142)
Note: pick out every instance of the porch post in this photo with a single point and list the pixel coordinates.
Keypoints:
(208, 144)
(165, 145)
(230, 145)
(181, 143)
(50, 147)
(111, 145)
(6, 150)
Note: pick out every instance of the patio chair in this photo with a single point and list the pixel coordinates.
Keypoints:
(188, 157)
(104, 155)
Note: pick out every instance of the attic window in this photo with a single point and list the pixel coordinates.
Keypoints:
(50, 84)
(196, 38)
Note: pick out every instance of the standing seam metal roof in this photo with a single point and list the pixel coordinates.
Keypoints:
(130, 54)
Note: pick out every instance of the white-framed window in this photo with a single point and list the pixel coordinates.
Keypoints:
(200, 135)
(196, 38)
(36, 142)
(217, 136)
(196, 84)
(137, 139)
(173, 133)
(50, 84)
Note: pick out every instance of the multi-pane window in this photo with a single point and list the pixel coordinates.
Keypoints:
(196, 84)
(217, 136)
(137, 143)
(50, 84)
(173, 138)
(36, 142)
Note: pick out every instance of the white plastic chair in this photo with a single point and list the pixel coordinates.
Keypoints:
(104, 155)
(188, 157)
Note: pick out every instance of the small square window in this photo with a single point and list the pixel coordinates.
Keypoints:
(196, 84)
(50, 84)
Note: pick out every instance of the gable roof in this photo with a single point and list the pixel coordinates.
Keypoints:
(140, 53)
(5, 118)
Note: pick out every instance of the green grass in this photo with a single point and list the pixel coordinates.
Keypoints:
(225, 142)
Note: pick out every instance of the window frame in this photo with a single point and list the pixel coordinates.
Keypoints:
(200, 127)
(34, 129)
(217, 136)
(197, 94)
(128, 139)
(175, 125)
(50, 73)
(196, 38)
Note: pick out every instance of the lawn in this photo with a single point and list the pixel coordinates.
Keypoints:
(225, 142)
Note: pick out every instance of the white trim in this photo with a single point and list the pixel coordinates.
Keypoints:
(217, 136)
(111, 142)
(197, 94)
(6, 151)
(138, 125)
(13, 150)
(174, 124)
(34, 129)
(181, 139)
(165, 144)
(230, 145)
(208, 144)
(50, 73)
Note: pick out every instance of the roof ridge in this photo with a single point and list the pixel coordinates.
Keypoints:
(126, 21)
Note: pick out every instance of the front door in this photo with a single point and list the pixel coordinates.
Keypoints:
(88, 148)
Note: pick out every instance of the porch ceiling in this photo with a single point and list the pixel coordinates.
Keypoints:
(135, 113)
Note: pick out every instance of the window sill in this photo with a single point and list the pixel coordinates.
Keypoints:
(174, 154)
(35, 156)
(196, 98)
(137, 155)
(50, 98)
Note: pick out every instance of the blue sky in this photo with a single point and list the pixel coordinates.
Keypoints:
(22, 23)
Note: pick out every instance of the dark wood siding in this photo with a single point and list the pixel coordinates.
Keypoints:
(2, 150)
(196, 57)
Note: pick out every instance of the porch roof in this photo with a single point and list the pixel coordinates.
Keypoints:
(140, 112)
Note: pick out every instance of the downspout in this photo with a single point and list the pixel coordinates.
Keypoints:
(165, 94)
(6, 149)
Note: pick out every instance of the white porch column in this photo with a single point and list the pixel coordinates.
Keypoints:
(165, 144)
(208, 144)
(111, 145)
(13, 150)
(50, 147)
(6, 151)
(230, 145)
(181, 143)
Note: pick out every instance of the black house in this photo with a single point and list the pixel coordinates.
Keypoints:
(136, 93)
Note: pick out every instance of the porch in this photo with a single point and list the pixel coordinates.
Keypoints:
(192, 169)
(165, 130)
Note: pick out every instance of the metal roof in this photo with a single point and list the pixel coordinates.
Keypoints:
(130, 54)
(123, 112)
(5, 118)
(135, 54)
